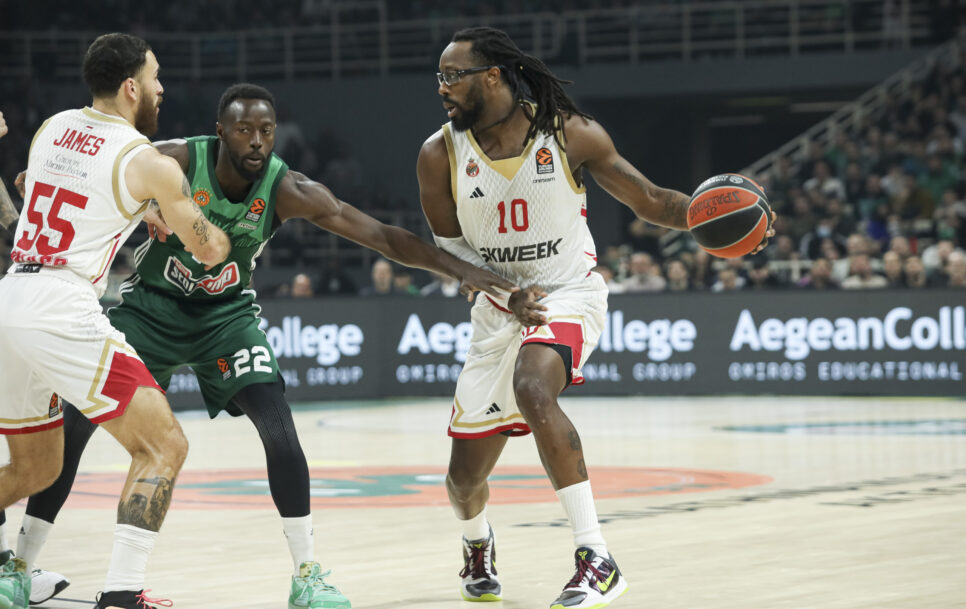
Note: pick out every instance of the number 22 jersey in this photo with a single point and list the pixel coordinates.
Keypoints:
(524, 215)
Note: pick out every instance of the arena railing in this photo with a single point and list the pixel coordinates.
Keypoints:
(852, 115)
(358, 38)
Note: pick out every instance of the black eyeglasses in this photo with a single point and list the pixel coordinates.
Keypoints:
(452, 77)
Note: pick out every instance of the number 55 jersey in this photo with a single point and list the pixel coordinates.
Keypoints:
(77, 210)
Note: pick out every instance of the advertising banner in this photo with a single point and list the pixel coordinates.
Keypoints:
(880, 342)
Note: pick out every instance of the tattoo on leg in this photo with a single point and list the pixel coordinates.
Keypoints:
(574, 439)
(143, 513)
(582, 468)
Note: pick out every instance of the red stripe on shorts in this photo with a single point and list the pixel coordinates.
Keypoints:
(24, 430)
(123, 379)
(569, 335)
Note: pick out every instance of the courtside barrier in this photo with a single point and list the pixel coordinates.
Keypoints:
(879, 343)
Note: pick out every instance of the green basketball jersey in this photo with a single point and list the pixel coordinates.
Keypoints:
(249, 225)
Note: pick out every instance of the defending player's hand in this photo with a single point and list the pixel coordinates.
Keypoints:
(157, 229)
(20, 183)
(768, 235)
(476, 279)
(526, 307)
(3, 126)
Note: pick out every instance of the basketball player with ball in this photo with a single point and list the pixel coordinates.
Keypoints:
(502, 185)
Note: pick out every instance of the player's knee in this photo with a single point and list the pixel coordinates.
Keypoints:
(463, 482)
(176, 447)
(533, 399)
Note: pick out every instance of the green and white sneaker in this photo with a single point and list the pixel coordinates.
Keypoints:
(14, 584)
(310, 590)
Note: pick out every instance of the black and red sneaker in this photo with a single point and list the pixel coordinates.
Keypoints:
(479, 571)
(129, 599)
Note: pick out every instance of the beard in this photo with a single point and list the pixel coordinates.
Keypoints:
(146, 117)
(237, 161)
(469, 112)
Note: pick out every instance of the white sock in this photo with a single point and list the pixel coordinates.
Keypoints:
(4, 544)
(476, 527)
(31, 540)
(301, 542)
(132, 546)
(578, 502)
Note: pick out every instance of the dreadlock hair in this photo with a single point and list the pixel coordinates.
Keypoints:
(528, 79)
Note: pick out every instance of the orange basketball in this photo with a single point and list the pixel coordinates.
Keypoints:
(729, 215)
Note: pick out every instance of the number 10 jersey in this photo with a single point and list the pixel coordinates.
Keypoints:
(525, 215)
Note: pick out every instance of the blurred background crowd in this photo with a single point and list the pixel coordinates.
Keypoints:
(880, 204)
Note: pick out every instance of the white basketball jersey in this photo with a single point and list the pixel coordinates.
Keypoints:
(77, 209)
(525, 215)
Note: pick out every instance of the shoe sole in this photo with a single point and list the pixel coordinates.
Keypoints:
(58, 588)
(618, 592)
(486, 598)
(345, 606)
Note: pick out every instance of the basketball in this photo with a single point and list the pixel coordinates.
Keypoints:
(729, 215)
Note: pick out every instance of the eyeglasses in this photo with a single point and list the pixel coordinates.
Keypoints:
(451, 78)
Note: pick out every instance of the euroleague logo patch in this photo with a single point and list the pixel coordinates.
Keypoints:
(55, 407)
(472, 169)
(256, 210)
(202, 197)
(224, 368)
(544, 161)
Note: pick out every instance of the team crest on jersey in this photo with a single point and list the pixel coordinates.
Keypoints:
(472, 169)
(256, 210)
(180, 276)
(55, 407)
(202, 197)
(544, 161)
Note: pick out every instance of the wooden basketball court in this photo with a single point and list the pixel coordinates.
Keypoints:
(724, 503)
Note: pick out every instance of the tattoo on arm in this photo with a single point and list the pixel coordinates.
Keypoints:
(674, 205)
(144, 513)
(200, 225)
(185, 187)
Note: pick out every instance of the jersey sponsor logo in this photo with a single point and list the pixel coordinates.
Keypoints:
(247, 226)
(180, 276)
(544, 161)
(75, 141)
(55, 407)
(521, 253)
(472, 169)
(202, 197)
(477, 193)
(21, 256)
(27, 268)
(256, 210)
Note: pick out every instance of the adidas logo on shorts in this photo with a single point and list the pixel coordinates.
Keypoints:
(493, 409)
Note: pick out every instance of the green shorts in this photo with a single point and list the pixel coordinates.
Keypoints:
(220, 341)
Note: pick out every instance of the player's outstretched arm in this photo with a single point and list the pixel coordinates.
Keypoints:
(300, 197)
(590, 147)
(151, 175)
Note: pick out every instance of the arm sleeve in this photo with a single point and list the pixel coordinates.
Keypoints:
(457, 246)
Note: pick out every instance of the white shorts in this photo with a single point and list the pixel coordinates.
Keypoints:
(484, 403)
(56, 343)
